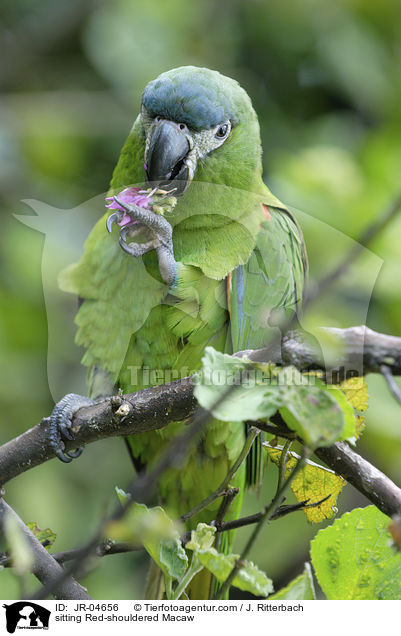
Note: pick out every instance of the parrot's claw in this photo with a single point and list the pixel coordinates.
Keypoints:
(160, 235)
(132, 248)
(60, 425)
(113, 218)
(136, 249)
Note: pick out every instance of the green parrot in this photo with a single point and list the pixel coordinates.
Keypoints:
(199, 253)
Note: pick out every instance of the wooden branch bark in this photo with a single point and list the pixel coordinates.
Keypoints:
(145, 410)
(156, 407)
(358, 349)
(365, 477)
(45, 567)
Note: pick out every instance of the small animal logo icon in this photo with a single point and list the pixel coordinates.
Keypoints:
(26, 615)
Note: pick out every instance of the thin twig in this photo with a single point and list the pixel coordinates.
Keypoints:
(265, 518)
(282, 511)
(103, 549)
(277, 431)
(283, 463)
(44, 567)
(108, 548)
(253, 433)
(392, 384)
(229, 497)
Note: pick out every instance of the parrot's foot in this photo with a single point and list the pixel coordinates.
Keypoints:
(159, 231)
(60, 424)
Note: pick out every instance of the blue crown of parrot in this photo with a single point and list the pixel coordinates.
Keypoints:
(199, 97)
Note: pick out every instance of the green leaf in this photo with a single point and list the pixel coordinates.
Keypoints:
(249, 578)
(353, 558)
(301, 588)
(319, 414)
(47, 537)
(123, 496)
(254, 396)
(314, 414)
(201, 538)
(170, 556)
(152, 528)
(313, 483)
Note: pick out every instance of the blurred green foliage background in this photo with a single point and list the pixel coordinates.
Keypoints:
(325, 80)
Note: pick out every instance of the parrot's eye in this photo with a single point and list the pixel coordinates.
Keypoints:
(223, 130)
(158, 118)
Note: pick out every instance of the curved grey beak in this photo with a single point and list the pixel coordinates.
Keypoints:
(168, 148)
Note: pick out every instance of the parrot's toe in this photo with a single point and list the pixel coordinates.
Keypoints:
(136, 249)
(159, 234)
(60, 425)
(115, 217)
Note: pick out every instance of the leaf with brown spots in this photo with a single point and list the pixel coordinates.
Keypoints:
(313, 483)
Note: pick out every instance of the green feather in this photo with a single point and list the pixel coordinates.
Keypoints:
(273, 279)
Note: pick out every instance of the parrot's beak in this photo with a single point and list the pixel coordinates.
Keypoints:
(165, 157)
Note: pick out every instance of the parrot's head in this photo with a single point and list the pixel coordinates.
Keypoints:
(199, 125)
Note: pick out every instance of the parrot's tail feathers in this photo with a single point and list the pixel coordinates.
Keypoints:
(136, 462)
(199, 588)
(226, 542)
(154, 584)
(255, 464)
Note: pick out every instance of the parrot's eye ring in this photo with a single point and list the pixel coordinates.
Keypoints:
(223, 130)
(158, 118)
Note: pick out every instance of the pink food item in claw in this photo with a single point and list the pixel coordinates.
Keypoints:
(129, 196)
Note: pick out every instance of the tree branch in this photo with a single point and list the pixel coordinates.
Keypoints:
(102, 549)
(365, 477)
(361, 349)
(45, 568)
(356, 470)
(357, 349)
(145, 410)
(156, 407)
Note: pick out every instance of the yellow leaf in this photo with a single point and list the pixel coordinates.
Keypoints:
(356, 392)
(313, 483)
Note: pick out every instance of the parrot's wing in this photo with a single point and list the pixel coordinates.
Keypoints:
(263, 293)
(269, 287)
(117, 294)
